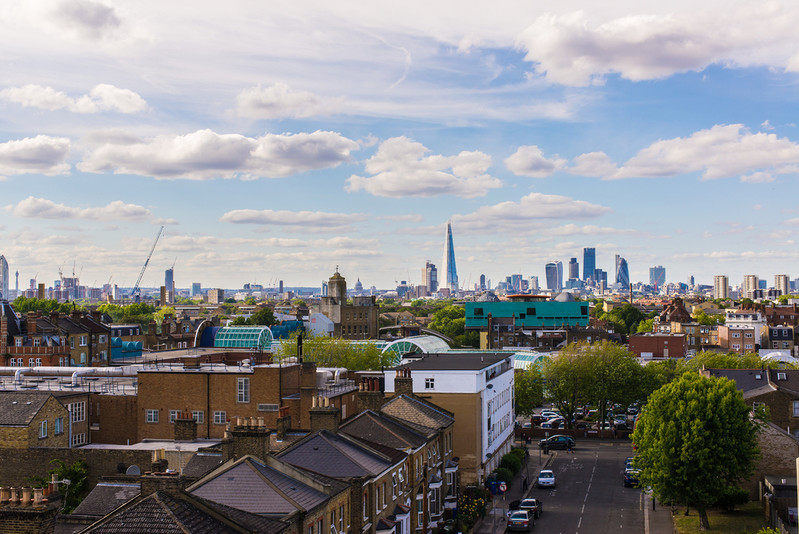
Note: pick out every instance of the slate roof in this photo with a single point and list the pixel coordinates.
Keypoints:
(201, 464)
(165, 513)
(19, 408)
(378, 428)
(248, 484)
(335, 455)
(747, 381)
(423, 416)
(107, 497)
(455, 361)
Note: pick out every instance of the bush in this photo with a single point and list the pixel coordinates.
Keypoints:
(471, 505)
(733, 496)
(511, 462)
(520, 452)
(504, 475)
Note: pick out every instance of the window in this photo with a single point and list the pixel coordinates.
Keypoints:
(43, 429)
(393, 486)
(58, 427)
(38, 362)
(18, 342)
(173, 414)
(383, 495)
(748, 335)
(83, 340)
(430, 383)
(736, 335)
(37, 342)
(77, 411)
(72, 342)
(243, 390)
(736, 347)
(451, 484)
(333, 522)
(79, 439)
(478, 311)
(268, 407)
(101, 339)
(31, 362)
(220, 418)
(748, 346)
(341, 518)
(320, 526)
(198, 416)
(365, 500)
(419, 510)
(151, 416)
(781, 376)
(310, 529)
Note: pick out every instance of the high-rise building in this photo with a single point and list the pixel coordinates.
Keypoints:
(430, 277)
(750, 285)
(534, 284)
(450, 270)
(589, 263)
(554, 275)
(574, 269)
(782, 284)
(16, 285)
(4, 282)
(482, 282)
(721, 287)
(196, 289)
(622, 273)
(169, 284)
(657, 276)
(516, 282)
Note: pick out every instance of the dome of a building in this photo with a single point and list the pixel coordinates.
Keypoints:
(487, 296)
(564, 296)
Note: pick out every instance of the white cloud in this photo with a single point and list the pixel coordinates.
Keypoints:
(205, 155)
(304, 221)
(590, 229)
(530, 161)
(166, 222)
(568, 49)
(281, 101)
(528, 215)
(41, 155)
(102, 97)
(720, 152)
(410, 217)
(758, 178)
(89, 20)
(41, 208)
(400, 168)
(593, 164)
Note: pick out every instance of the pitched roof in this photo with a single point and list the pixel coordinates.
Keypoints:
(335, 455)
(165, 513)
(19, 408)
(752, 380)
(201, 463)
(378, 428)
(250, 485)
(423, 416)
(107, 497)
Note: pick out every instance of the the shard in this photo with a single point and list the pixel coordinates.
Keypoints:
(450, 271)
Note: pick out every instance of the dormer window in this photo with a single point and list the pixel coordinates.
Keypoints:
(781, 376)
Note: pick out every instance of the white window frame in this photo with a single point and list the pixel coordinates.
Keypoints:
(84, 341)
(77, 411)
(243, 390)
(173, 415)
(58, 426)
(151, 416)
(43, 429)
(796, 408)
(220, 417)
(198, 416)
(430, 383)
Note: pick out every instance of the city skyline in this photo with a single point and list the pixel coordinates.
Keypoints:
(300, 137)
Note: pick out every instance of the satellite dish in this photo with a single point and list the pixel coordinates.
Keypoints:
(133, 470)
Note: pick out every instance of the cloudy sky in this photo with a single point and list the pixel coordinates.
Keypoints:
(276, 140)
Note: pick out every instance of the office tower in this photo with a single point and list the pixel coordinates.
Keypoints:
(430, 277)
(657, 276)
(450, 271)
(622, 273)
(534, 283)
(750, 285)
(196, 289)
(169, 284)
(574, 269)
(554, 275)
(589, 263)
(482, 282)
(16, 285)
(782, 284)
(4, 278)
(721, 287)
(324, 289)
(691, 281)
(280, 287)
(516, 282)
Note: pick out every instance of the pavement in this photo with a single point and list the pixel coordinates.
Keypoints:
(657, 519)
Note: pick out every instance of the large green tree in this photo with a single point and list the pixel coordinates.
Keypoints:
(23, 304)
(695, 439)
(335, 352)
(528, 387)
(614, 376)
(566, 380)
(451, 321)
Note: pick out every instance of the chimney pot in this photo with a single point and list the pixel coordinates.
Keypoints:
(26, 496)
(38, 496)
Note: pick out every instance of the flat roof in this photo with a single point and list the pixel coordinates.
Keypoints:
(453, 361)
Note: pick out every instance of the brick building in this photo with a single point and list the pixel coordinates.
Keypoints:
(42, 419)
(657, 346)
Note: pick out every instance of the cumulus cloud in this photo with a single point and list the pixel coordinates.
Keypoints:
(294, 220)
(41, 155)
(86, 19)
(530, 161)
(280, 101)
(720, 152)
(205, 155)
(568, 49)
(102, 97)
(758, 178)
(409, 217)
(41, 208)
(596, 164)
(401, 168)
(590, 229)
(529, 213)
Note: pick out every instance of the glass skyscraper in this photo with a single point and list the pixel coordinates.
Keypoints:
(554, 275)
(4, 279)
(450, 271)
(622, 272)
(589, 263)
(657, 276)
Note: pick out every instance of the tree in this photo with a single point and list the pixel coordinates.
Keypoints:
(163, 311)
(613, 376)
(451, 321)
(709, 320)
(250, 301)
(645, 326)
(336, 352)
(77, 488)
(529, 390)
(264, 316)
(721, 360)
(566, 381)
(23, 304)
(695, 439)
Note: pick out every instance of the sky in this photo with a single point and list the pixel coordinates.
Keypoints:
(280, 140)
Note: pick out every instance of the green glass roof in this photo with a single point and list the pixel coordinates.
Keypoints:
(416, 345)
(244, 337)
(525, 360)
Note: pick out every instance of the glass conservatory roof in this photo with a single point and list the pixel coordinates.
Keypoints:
(417, 345)
(246, 337)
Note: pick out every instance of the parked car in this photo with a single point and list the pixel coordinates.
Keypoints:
(549, 414)
(533, 506)
(546, 479)
(519, 521)
(558, 441)
(630, 478)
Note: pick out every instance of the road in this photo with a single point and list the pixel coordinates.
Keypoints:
(590, 497)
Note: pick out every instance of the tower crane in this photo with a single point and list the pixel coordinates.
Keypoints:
(135, 293)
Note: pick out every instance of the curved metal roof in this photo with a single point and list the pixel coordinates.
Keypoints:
(416, 345)
(527, 359)
(245, 337)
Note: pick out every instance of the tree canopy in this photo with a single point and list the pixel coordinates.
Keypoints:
(22, 304)
(335, 352)
(625, 318)
(695, 439)
(451, 321)
(529, 390)
(138, 313)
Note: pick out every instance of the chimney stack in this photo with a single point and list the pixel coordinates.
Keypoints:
(370, 396)
(323, 415)
(403, 382)
(283, 423)
(248, 436)
(185, 427)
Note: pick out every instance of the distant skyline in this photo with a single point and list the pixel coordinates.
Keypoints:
(276, 141)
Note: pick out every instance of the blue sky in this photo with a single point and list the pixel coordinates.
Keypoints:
(278, 140)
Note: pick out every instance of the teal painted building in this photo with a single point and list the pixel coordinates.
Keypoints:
(527, 313)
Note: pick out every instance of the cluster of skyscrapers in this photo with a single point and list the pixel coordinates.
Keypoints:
(592, 276)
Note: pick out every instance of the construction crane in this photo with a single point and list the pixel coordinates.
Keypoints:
(135, 293)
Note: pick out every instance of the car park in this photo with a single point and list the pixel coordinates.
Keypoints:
(519, 521)
(558, 441)
(533, 506)
(546, 479)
